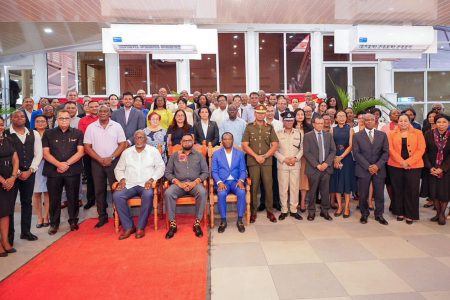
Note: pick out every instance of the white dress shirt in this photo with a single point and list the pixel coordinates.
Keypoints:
(137, 168)
(204, 128)
(127, 114)
(229, 157)
(37, 146)
(219, 116)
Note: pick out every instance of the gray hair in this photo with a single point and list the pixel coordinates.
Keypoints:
(142, 132)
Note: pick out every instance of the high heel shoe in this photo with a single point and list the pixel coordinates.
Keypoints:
(3, 254)
(345, 216)
(409, 222)
(12, 250)
(336, 214)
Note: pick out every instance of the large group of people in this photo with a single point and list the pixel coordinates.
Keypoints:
(297, 154)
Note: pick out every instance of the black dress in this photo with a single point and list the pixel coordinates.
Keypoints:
(7, 198)
(438, 188)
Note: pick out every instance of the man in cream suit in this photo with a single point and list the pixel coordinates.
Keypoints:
(128, 117)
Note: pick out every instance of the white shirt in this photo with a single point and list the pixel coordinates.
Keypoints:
(204, 128)
(219, 116)
(137, 168)
(127, 114)
(104, 141)
(277, 125)
(229, 157)
(28, 114)
(37, 146)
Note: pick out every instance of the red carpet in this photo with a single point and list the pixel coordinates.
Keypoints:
(94, 264)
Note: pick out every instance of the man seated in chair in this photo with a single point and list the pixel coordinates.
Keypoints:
(138, 167)
(186, 170)
(229, 173)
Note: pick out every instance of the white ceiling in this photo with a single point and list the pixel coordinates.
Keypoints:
(80, 21)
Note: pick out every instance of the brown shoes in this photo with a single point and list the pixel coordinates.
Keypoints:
(140, 233)
(271, 217)
(253, 218)
(127, 233)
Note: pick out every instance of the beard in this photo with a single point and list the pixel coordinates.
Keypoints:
(188, 148)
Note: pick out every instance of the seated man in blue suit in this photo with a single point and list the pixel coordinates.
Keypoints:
(229, 173)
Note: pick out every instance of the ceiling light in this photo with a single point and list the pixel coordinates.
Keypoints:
(330, 45)
(48, 30)
(263, 41)
(234, 53)
(441, 47)
(209, 58)
(260, 48)
(100, 59)
(235, 37)
(234, 46)
(291, 36)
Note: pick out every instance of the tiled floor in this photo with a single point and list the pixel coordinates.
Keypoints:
(341, 259)
(292, 259)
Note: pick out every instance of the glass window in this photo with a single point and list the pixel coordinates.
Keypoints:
(91, 73)
(338, 76)
(438, 86)
(445, 104)
(133, 72)
(409, 86)
(232, 62)
(441, 59)
(411, 63)
(419, 108)
(328, 50)
(271, 62)
(298, 62)
(364, 81)
(163, 74)
(204, 74)
(364, 57)
(60, 73)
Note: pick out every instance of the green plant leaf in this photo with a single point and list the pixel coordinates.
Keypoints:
(341, 92)
(362, 104)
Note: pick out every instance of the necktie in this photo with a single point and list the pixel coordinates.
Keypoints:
(370, 136)
(320, 147)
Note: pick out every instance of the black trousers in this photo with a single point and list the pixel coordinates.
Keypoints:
(318, 183)
(25, 188)
(90, 192)
(406, 187)
(55, 187)
(378, 191)
(101, 174)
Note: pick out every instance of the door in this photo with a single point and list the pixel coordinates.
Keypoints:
(18, 86)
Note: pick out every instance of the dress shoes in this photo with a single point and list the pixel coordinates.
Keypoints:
(64, 204)
(140, 233)
(127, 233)
(345, 216)
(89, 205)
(381, 220)
(271, 217)
(261, 207)
(326, 216)
(240, 226)
(171, 232)
(53, 230)
(302, 210)
(253, 218)
(12, 250)
(222, 227)
(28, 236)
(3, 254)
(101, 223)
(296, 216)
(338, 214)
(363, 220)
(197, 230)
(74, 227)
(282, 216)
(45, 224)
(311, 217)
(40, 225)
(435, 218)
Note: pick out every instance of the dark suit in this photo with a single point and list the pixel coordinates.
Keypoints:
(212, 135)
(317, 179)
(366, 154)
(135, 122)
(278, 114)
(80, 110)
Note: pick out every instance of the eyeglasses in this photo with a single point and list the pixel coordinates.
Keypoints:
(64, 119)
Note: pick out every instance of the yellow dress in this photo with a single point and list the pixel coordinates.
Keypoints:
(166, 117)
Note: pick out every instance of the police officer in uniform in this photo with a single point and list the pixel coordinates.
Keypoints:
(260, 143)
(288, 157)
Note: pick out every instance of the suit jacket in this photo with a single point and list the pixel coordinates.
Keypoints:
(27, 121)
(212, 135)
(221, 170)
(415, 146)
(366, 153)
(311, 152)
(277, 113)
(136, 121)
(429, 157)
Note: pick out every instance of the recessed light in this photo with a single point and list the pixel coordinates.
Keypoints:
(330, 45)
(234, 46)
(291, 36)
(263, 41)
(48, 30)
(100, 59)
(235, 37)
(260, 48)
(441, 47)
(234, 53)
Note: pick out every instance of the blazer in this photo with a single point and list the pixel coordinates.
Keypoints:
(277, 113)
(429, 157)
(311, 152)
(136, 121)
(212, 135)
(367, 154)
(220, 169)
(415, 145)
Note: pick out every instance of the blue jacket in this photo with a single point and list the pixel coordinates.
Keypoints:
(220, 169)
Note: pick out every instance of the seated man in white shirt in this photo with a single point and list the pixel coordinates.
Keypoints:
(139, 166)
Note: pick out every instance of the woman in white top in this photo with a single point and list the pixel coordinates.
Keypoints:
(40, 183)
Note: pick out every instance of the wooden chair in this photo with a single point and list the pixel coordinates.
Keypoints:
(231, 198)
(188, 200)
(136, 202)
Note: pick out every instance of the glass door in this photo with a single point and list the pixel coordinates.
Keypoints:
(336, 76)
(19, 86)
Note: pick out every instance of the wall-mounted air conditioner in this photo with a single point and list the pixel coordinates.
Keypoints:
(387, 41)
(162, 41)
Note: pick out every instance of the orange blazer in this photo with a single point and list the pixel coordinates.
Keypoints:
(416, 148)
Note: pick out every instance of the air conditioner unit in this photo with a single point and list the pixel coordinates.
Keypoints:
(166, 41)
(387, 41)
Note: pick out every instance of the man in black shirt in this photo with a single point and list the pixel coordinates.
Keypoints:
(63, 150)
